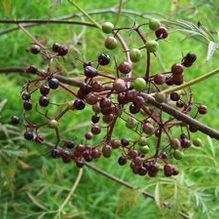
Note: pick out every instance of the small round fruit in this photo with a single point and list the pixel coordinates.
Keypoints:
(90, 71)
(139, 84)
(175, 143)
(44, 90)
(177, 69)
(111, 42)
(79, 104)
(159, 79)
(161, 33)
(177, 154)
(91, 98)
(131, 123)
(174, 96)
(53, 123)
(107, 150)
(88, 135)
(168, 170)
(152, 46)
(124, 142)
(148, 128)
(27, 105)
(142, 141)
(55, 47)
(15, 120)
(62, 50)
(119, 85)
(103, 59)
(44, 101)
(35, 49)
(26, 95)
(145, 149)
(202, 109)
(160, 97)
(55, 153)
(154, 24)
(28, 135)
(197, 142)
(95, 129)
(53, 83)
(122, 160)
(107, 27)
(125, 67)
(31, 69)
(135, 55)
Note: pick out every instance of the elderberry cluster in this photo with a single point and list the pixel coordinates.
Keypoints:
(117, 98)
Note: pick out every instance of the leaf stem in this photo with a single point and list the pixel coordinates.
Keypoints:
(85, 13)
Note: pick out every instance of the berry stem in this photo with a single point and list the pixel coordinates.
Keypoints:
(67, 89)
(147, 75)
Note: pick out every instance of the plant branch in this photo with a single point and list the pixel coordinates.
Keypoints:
(213, 133)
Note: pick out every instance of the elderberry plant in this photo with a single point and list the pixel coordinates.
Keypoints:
(112, 97)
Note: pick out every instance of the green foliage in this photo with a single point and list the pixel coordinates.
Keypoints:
(32, 185)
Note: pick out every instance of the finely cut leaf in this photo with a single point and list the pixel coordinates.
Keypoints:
(157, 194)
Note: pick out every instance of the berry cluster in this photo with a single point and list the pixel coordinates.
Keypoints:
(118, 97)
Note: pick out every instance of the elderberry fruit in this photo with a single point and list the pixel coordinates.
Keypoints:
(202, 109)
(31, 69)
(177, 154)
(135, 55)
(168, 170)
(69, 144)
(107, 150)
(90, 71)
(55, 153)
(177, 69)
(161, 33)
(125, 67)
(122, 160)
(95, 129)
(124, 142)
(154, 24)
(27, 105)
(26, 95)
(35, 49)
(55, 47)
(15, 120)
(53, 124)
(44, 90)
(107, 27)
(62, 50)
(111, 42)
(103, 59)
(159, 79)
(44, 101)
(197, 142)
(119, 85)
(28, 135)
(95, 119)
(139, 84)
(174, 96)
(152, 46)
(53, 83)
(79, 104)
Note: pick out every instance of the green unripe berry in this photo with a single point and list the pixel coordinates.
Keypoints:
(135, 55)
(151, 45)
(145, 149)
(139, 84)
(107, 27)
(154, 24)
(177, 154)
(53, 124)
(111, 42)
(197, 142)
(142, 141)
(131, 123)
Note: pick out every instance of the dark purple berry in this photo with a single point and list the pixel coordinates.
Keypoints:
(107, 150)
(159, 79)
(124, 142)
(85, 88)
(122, 160)
(103, 59)
(53, 83)
(90, 71)
(79, 163)
(55, 153)
(134, 109)
(44, 90)
(44, 101)
(177, 69)
(79, 104)
(174, 96)
(31, 69)
(202, 109)
(69, 144)
(28, 135)
(27, 105)
(168, 170)
(55, 47)
(180, 103)
(95, 129)
(95, 119)
(26, 95)
(15, 120)
(35, 49)
(62, 50)
(161, 33)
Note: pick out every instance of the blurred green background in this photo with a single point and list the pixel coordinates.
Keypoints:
(32, 185)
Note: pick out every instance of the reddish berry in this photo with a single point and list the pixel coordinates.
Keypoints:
(161, 33)
(202, 109)
(177, 69)
(44, 90)
(35, 49)
(125, 67)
